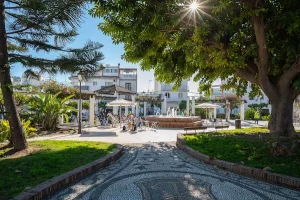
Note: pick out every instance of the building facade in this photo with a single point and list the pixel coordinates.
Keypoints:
(217, 93)
(173, 97)
(25, 80)
(110, 75)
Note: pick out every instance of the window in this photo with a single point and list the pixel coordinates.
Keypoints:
(108, 83)
(128, 86)
(180, 95)
(167, 95)
(114, 71)
(94, 83)
(107, 71)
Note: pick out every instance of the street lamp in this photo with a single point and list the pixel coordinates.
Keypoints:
(79, 118)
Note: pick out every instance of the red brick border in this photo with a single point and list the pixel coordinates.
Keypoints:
(54, 184)
(241, 169)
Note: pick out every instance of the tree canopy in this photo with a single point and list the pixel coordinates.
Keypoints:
(217, 41)
(240, 41)
(48, 25)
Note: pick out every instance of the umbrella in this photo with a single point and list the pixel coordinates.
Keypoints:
(121, 102)
(207, 106)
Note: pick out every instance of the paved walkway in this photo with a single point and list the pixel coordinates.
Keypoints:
(161, 171)
(116, 135)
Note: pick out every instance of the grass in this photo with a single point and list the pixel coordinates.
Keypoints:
(250, 150)
(242, 131)
(50, 158)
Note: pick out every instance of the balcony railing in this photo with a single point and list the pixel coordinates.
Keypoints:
(128, 76)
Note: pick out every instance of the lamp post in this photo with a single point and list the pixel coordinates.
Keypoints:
(79, 118)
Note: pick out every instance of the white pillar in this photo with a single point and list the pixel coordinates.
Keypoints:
(92, 110)
(193, 105)
(145, 110)
(188, 106)
(133, 107)
(126, 110)
(165, 106)
(242, 115)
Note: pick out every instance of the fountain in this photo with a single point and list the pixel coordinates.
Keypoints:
(172, 120)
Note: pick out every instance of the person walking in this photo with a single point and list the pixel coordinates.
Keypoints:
(256, 116)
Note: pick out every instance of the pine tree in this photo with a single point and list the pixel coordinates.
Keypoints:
(40, 25)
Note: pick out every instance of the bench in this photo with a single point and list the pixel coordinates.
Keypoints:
(194, 128)
(221, 127)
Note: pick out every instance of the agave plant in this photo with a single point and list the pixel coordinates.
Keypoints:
(46, 109)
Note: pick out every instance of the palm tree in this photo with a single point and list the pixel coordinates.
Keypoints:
(46, 109)
(40, 25)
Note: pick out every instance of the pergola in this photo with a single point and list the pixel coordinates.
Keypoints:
(115, 90)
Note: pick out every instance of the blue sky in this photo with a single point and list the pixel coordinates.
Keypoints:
(112, 54)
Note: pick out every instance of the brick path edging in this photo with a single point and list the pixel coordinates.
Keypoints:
(42, 190)
(241, 169)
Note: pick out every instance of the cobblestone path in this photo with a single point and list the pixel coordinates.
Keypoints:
(161, 171)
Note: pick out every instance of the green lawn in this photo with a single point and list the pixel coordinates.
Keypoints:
(251, 150)
(53, 159)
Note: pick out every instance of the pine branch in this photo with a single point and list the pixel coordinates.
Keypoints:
(13, 2)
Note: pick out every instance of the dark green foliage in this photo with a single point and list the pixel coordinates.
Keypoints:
(256, 106)
(221, 116)
(249, 114)
(182, 105)
(247, 43)
(102, 104)
(51, 159)
(200, 112)
(48, 25)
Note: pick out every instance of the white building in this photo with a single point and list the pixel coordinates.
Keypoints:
(35, 81)
(217, 93)
(173, 97)
(110, 75)
(25, 80)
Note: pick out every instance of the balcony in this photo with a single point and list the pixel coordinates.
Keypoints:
(128, 76)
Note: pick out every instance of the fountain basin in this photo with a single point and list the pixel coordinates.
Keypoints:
(172, 122)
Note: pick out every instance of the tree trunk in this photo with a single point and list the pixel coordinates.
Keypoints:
(281, 123)
(18, 138)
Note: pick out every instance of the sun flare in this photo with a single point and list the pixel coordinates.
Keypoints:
(194, 5)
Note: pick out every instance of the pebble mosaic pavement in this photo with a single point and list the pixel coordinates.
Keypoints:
(161, 171)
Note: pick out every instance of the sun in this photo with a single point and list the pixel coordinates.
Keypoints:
(194, 5)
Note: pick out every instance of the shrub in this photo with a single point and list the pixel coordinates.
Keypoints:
(266, 118)
(4, 130)
(201, 112)
(5, 133)
(46, 109)
(249, 114)
(221, 116)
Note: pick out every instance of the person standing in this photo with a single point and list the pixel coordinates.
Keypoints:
(256, 116)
